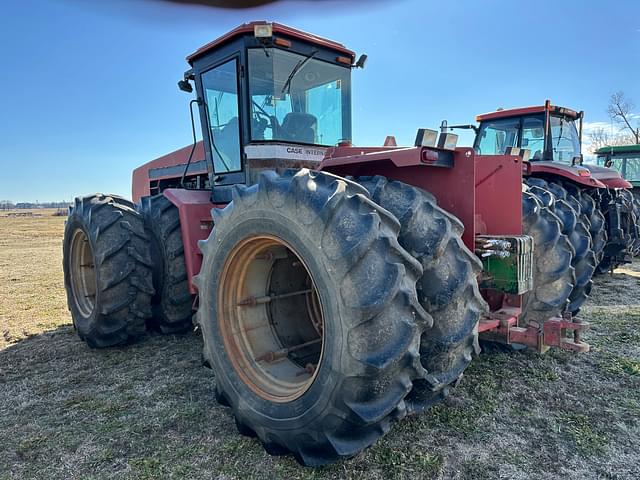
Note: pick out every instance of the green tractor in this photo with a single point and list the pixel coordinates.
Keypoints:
(626, 160)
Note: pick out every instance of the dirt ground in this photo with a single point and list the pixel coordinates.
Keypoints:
(148, 410)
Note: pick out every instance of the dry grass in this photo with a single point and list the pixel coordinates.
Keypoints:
(32, 298)
(147, 411)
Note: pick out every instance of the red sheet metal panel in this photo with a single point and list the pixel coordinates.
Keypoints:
(574, 174)
(511, 112)
(616, 183)
(196, 224)
(498, 190)
(140, 185)
(516, 112)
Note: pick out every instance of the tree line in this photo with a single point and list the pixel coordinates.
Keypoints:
(9, 205)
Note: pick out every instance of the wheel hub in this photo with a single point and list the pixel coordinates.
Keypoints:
(83, 273)
(271, 318)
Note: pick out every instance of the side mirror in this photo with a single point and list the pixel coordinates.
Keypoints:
(185, 86)
(361, 61)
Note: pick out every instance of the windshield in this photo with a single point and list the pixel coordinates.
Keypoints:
(628, 165)
(298, 98)
(565, 142)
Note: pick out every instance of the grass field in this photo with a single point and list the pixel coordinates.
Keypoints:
(147, 411)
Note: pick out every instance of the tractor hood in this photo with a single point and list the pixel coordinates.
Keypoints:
(610, 177)
(587, 175)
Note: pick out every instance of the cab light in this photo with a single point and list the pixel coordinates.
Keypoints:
(583, 172)
(429, 156)
(426, 138)
(263, 31)
(345, 60)
(282, 42)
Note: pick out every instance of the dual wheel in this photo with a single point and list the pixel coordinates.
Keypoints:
(124, 269)
(569, 232)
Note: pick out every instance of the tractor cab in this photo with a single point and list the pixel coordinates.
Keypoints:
(550, 133)
(623, 158)
(269, 96)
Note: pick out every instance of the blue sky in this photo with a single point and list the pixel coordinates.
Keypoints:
(88, 89)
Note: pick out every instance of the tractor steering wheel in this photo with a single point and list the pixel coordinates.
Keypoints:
(260, 111)
(264, 120)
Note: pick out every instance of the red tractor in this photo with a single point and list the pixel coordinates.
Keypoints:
(337, 288)
(599, 197)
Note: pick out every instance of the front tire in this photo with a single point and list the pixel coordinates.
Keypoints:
(323, 370)
(107, 272)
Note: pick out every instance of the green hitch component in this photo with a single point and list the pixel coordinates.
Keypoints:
(507, 263)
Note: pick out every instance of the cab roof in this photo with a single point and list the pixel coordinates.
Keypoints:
(278, 29)
(521, 111)
(619, 149)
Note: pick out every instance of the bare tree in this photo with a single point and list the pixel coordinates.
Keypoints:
(621, 111)
(601, 138)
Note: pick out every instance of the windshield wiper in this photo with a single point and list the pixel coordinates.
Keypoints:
(560, 135)
(287, 85)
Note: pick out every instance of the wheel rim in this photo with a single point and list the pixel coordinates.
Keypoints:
(271, 318)
(83, 273)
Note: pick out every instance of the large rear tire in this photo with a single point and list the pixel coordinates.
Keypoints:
(592, 217)
(448, 289)
(172, 303)
(617, 210)
(322, 371)
(630, 223)
(107, 270)
(569, 210)
(553, 275)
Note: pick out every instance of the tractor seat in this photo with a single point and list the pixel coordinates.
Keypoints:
(299, 127)
(227, 143)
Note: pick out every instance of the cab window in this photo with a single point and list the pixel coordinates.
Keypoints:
(565, 141)
(220, 86)
(496, 136)
(633, 168)
(533, 136)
